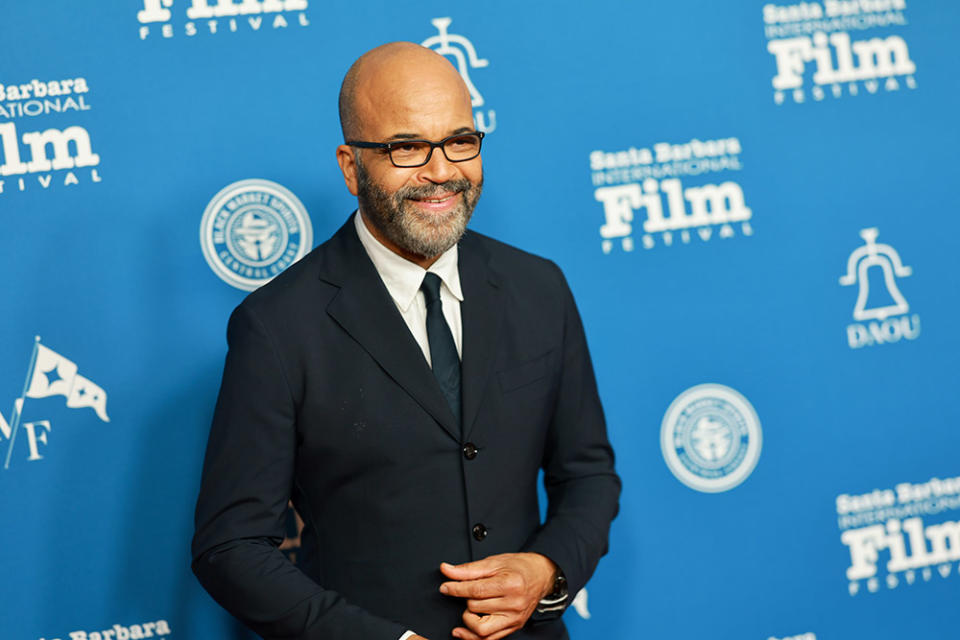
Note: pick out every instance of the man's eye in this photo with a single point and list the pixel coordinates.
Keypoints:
(466, 143)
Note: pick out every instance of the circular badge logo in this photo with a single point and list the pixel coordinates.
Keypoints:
(710, 438)
(252, 230)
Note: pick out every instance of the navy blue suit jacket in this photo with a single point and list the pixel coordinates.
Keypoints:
(327, 400)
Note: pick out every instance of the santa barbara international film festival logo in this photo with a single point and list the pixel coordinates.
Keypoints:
(463, 55)
(159, 18)
(159, 630)
(25, 147)
(837, 49)
(711, 438)
(49, 374)
(645, 191)
(252, 230)
(881, 311)
(901, 537)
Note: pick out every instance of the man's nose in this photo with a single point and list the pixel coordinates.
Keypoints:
(438, 169)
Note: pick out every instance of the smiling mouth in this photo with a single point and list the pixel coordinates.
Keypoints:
(437, 199)
(441, 204)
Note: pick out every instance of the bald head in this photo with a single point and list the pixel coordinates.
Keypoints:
(395, 75)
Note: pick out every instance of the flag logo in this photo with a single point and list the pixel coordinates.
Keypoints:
(49, 374)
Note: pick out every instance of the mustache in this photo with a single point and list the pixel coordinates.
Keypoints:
(433, 190)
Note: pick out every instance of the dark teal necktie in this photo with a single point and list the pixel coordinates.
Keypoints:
(443, 351)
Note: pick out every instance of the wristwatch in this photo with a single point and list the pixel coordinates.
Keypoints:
(555, 601)
(559, 587)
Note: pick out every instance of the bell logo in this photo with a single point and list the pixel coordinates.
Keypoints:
(464, 55)
(883, 307)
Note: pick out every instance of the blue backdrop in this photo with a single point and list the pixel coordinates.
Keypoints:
(759, 198)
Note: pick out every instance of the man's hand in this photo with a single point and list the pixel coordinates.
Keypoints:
(502, 591)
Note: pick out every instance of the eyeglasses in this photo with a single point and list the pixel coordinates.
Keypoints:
(416, 153)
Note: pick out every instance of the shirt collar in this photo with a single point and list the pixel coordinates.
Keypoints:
(402, 277)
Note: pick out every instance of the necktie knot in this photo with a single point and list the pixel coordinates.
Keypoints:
(431, 288)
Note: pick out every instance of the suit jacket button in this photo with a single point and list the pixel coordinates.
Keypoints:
(479, 532)
(470, 451)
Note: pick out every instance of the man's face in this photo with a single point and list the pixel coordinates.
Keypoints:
(416, 211)
(422, 219)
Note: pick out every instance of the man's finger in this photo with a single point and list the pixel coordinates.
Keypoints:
(485, 626)
(465, 634)
(479, 589)
(470, 570)
(491, 605)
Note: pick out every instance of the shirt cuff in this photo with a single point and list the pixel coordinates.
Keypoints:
(407, 635)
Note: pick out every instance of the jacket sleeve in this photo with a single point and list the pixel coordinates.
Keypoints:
(582, 487)
(248, 473)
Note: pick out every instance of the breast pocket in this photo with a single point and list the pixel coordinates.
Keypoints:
(531, 377)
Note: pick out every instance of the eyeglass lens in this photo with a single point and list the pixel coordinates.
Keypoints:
(415, 152)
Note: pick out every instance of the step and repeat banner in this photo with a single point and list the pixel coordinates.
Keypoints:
(755, 205)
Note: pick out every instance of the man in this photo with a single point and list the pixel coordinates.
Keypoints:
(344, 390)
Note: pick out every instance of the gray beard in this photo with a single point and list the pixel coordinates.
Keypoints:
(426, 235)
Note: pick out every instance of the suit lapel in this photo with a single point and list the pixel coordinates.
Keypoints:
(364, 309)
(482, 315)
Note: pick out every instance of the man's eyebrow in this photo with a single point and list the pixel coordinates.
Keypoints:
(417, 136)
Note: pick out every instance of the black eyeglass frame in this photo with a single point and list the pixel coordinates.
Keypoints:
(389, 146)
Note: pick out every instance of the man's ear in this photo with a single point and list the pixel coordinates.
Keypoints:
(348, 166)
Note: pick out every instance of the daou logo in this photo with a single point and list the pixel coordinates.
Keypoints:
(49, 374)
(881, 311)
(464, 56)
(249, 15)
